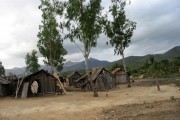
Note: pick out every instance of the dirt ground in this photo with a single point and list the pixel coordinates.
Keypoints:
(82, 106)
(159, 110)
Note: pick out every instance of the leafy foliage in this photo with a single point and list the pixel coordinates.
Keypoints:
(32, 62)
(50, 40)
(84, 23)
(120, 29)
(2, 70)
(160, 67)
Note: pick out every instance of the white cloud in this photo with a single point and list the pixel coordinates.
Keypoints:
(19, 26)
(157, 30)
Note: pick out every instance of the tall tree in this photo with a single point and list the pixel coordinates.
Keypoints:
(2, 70)
(32, 62)
(50, 42)
(83, 24)
(119, 29)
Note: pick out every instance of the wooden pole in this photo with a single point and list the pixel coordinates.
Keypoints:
(18, 86)
(59, 82)
(157, 83)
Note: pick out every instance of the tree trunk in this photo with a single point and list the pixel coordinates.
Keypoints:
(124, 65)
(89, 76)
(51, 66)
(51, 61)
(157, 83)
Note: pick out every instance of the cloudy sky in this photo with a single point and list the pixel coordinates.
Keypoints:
(158, 29)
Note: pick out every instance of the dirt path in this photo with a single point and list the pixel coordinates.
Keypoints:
(80, 105)
(159, 110)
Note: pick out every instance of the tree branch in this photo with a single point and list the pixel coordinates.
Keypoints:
(78, 47)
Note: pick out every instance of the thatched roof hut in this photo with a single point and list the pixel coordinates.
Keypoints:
(120, 75)
(73, 77)
(101, 78)
(81, 81)
(46, 83)
(3, 86)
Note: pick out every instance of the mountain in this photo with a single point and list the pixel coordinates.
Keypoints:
(68, 66)
(131, 61)
(137, 60)
(22, 71)
(16, 71)
(70, 63)
(174, 52)
(92, 62)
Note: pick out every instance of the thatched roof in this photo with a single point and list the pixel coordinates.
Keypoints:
(75, 72)
(94, 74)
(40, 71)
(116, 70)
(3, 81)
(81, 78)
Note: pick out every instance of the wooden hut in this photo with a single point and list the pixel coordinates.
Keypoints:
(45, 81)
(81, 81)
(101, 78)
(120, 76)
(73, 77)
(3, 86)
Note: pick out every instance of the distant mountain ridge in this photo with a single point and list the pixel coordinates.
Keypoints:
(92, 62)
(68, 66)
(70, 63)
(174, 52)
(136, 60)
(131, 60)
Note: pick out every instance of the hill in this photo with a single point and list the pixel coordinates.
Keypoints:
(92, 63)
(131, 61)
(174, 52)
(137, 60)
(68, 66)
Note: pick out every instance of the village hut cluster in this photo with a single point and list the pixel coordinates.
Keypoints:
(101, 78)
(42, 82)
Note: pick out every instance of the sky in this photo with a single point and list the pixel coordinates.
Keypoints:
(158, 30)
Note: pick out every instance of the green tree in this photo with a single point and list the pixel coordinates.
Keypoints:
(119, 29)
(175, 64)
(2, 70)
(84, 24)
(50, 42)
(32, 62)
(151, 59)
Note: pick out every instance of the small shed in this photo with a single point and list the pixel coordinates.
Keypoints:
(101, 78)
(3, 86)
(73, 77)
(81, 81)
(120, 76)
(45, 83)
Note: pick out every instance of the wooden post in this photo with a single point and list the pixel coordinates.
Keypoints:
(25, 90)
(60, 84)
(157, 83)
(18, 86)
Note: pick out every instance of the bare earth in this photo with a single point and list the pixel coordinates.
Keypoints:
(82, 106)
